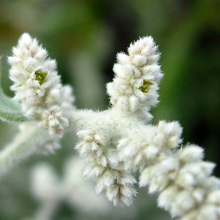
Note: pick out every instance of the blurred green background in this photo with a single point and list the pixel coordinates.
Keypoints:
(84, 37)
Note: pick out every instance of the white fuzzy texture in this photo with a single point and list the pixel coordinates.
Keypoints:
(38, 96)
(131, 72)
(184, 181)
(145, 146)
(52, 120)
(29, 140)
(102, 165)
(47, 144)
(114, 142)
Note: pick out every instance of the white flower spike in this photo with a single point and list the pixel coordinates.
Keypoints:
(134, 88)
(37, 86)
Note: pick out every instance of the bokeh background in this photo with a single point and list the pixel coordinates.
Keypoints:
(84, 37)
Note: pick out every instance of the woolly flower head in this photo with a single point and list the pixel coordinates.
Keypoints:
(134, 88)
(36, 83)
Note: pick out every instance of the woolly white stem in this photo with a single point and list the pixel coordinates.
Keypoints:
(30, 140)
(24, 144)
(109, 123)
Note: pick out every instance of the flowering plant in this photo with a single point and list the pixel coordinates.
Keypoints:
(113, 143)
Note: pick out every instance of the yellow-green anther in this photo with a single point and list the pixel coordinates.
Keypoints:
(40, 76)
(145, 85)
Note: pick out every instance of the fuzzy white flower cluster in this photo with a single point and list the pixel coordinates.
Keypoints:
(103, 166)
(134, 88)
(37, 86)
(51, 191)
(140, 149)
(183, 180)
(114, 142)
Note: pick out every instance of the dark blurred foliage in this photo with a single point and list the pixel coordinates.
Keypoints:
(90, 33)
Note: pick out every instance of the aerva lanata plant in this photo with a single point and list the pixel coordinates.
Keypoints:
(113, 143)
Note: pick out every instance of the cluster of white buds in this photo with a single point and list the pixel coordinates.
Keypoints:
(141, 149)
(184, 181)
(52, 120)
(37, 86)
(114, 142)
(134, 88)
(103, 165)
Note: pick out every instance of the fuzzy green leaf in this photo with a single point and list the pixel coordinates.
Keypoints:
(10, 110)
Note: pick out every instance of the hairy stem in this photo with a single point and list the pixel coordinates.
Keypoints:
(26, 142)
